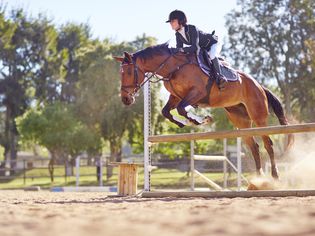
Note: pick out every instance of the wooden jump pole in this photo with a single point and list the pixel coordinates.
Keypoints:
(230, 194)
(285, 129)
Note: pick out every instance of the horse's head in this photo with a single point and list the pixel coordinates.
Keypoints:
(131, 78)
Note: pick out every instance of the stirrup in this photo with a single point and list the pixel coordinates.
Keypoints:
(221, 83)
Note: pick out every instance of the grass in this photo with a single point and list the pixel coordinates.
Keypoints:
(160, 179)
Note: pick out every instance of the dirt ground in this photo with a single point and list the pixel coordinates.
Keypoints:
(46, 213)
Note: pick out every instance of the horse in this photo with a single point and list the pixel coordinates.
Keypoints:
(245, 101)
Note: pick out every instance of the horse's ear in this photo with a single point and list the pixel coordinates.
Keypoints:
(128, 57)
(120, 59)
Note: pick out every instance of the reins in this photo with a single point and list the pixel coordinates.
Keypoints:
(147, 78)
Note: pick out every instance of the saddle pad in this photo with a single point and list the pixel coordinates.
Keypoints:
(229, 73)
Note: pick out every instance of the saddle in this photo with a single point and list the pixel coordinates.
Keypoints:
(205, 65)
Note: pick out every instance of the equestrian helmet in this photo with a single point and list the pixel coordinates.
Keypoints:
(179, 15)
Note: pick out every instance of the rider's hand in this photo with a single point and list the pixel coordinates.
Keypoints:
(176, 50)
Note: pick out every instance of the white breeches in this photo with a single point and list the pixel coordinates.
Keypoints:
(215, 50)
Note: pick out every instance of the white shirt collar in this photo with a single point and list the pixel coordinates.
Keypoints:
(182, 32)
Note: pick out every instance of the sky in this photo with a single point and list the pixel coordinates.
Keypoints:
(123, 20)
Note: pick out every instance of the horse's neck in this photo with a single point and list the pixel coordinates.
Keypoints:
(163, 65)
(154, 64)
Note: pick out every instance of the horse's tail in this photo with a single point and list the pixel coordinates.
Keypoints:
(277, 108)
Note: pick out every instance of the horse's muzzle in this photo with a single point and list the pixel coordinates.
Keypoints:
(128, 100)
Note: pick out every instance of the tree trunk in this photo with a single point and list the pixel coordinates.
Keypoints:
(51, 167)
(68, 166)
(10, 140)
(6, 137)
(13, 152)
(115, 155)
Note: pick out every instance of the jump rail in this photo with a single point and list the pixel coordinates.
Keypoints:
(150, 139)
(231, 194)
(285, 129)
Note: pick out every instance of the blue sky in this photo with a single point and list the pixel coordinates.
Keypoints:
(123, 20)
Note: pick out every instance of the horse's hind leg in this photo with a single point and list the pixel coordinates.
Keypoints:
(240, 119)
(259, 115)
(268, 144)
(269, 147)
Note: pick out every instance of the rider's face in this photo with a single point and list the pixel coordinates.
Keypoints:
(174, 24)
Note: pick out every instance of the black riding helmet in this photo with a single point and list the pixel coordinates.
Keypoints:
(179, 15)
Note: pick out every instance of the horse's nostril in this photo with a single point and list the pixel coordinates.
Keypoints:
(125, 100)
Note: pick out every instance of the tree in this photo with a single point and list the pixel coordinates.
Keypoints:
(270, 39)
(51, 62)
(99, 104)
(17, 65)
(57, 128)
(71, 39)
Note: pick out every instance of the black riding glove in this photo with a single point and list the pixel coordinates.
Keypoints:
(176, 50)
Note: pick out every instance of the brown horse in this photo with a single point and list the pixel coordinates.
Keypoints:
(245, 101)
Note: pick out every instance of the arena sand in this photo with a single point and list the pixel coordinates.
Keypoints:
(79, 214)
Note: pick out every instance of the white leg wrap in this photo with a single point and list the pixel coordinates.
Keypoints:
(195, 117)
(184, 122)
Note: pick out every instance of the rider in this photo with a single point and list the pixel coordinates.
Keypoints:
(190, 35)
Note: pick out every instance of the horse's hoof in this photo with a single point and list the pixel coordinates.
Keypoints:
(274, 174)
(207, 120)
(260, 173)
(180, 125)
(276, 177)
(193, 121)
(261, 184)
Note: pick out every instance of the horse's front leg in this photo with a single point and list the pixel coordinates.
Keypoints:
(192, 98)
(170, 105)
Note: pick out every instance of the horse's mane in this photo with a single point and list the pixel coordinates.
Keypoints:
(150, 52)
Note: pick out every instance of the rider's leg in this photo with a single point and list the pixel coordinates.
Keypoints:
(213, 53)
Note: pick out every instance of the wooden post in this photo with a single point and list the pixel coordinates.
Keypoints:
(127, 179)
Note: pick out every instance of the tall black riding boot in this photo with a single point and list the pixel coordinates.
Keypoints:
(221, 80)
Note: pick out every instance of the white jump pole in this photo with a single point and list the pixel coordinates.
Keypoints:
(192, 165)
(101, 172)
(77, 167)
(225, 163)
(239, 163)
(147, 133)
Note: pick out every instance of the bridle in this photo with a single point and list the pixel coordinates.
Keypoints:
(136, 85)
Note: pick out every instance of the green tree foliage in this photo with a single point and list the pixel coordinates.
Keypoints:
(20, 52)
(63, 70)
(270, 39)
(98, 92)
(71, 39)
(58, 129)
